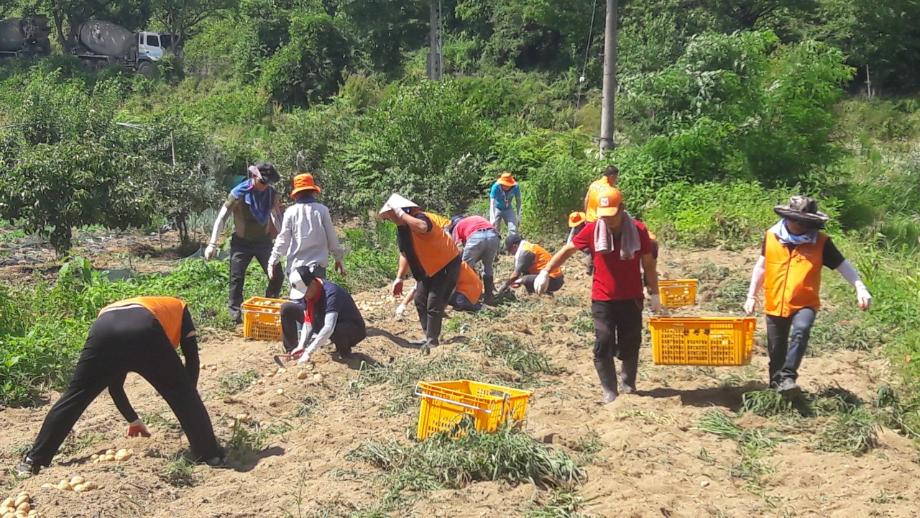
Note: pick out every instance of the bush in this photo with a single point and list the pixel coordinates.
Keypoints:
(553, 190)
(734, 215)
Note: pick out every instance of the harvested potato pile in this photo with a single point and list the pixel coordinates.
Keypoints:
(76, 484)
(19, 506)
(113, 456)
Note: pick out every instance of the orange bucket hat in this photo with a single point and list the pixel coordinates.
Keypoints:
(304, 182)
(576, 218)
(507, 180)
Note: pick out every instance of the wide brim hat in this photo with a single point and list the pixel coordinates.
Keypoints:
(576, 218)
(304, 182)
(802, 209)
(397, 201)
(507, 180)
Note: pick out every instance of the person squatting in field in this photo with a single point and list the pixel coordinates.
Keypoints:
(792, 254)
(134, 335)
(326, 313)
(256, 209)
(620, 249)
(431, 255)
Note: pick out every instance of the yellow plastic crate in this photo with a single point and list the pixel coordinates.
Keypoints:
(444, 404)
(677, 292)
(262, 319)
(713, 341)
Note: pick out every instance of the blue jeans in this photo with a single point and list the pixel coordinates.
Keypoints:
(510, 218)
(482, 246)
(787, 349)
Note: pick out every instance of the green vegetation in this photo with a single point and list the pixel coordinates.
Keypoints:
(178, 472)
(236, 382)
(753, 445)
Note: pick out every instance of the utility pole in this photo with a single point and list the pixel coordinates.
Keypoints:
(610, 78)
(434, 52)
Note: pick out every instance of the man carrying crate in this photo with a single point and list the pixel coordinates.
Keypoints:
(620, 249)
(789, 270)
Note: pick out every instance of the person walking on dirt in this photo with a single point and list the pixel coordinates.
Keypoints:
(480, 243)
(503, 191)
(256, 209)
(307, 236)
(789, 271)
(134, 335)
(432, 256)
(601, 185)
(529, 260)
(326, 312)
(621, 249)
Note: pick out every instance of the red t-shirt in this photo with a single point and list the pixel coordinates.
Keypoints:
(467, 226)
(614, 279)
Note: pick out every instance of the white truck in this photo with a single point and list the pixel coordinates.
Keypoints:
(101, 44)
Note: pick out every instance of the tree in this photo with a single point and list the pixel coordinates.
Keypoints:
(181, 17)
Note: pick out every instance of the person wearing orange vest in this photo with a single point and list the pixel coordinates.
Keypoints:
(789, 271)
(529, 260)
(134, 335)
(621, 250)
(468, 294)
(602, 184)
(431, 255)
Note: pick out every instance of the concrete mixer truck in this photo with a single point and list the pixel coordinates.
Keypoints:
(24, 37)
(101, 44)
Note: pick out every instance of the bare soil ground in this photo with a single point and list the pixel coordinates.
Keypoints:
(651, 459)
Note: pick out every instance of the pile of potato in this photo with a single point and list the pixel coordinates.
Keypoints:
(76, 484)
(113, 456)
(19, 507)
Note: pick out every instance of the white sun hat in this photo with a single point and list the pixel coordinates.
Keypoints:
(398, 201)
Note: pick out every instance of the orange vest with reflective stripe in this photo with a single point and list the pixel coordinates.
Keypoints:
(167, 310)
(792, 277)
(469, 284)
(541, 259)
(596, 187)
(434, 249)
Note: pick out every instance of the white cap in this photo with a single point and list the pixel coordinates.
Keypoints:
(395, 200)
(298, 286)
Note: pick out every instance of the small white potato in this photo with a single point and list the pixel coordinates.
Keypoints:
(79, 488)
(23, 497)
(23, 508)
(90, 486)
(77, 480)
(7, 503)
(63, 485)
(110, 452)
(280, 391)
(302, 375)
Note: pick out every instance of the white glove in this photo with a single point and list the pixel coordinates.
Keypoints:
(398, 212)
(400, 311)
(654, 303)
(541, 283)
(210, 252)
(750, 305)
(304, 358)
(271, 272)
(863, 297)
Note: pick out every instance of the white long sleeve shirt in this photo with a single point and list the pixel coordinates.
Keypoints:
(306, 237)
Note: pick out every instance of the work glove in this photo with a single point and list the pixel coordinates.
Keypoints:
(397, 289)
(340, 268)
(271, 272)
(400, 311)
(654, 303)
(863, 297)
(210, 252)
(541, 283)
(750, 305)
(138, 429)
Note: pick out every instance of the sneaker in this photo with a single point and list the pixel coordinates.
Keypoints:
(27, 468)
(788, 388)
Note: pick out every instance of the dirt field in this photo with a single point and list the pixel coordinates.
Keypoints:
(651, 459)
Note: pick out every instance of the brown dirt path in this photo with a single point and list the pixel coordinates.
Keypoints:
(652, 461)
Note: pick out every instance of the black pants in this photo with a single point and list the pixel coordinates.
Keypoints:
(554, 283)
(431, 297)
(241, 254)
(617, 332)
(787, 349)
(122, 341)
(346, 336)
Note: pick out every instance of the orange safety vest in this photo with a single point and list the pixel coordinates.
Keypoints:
(438, 219)
(792, 277)
(541, 259)
(167, 310)
(469, 284)
(597, 186)
(434, 249)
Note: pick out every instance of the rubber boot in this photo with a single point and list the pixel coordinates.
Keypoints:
(489, 283)
(607, 373)
(628, 371)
